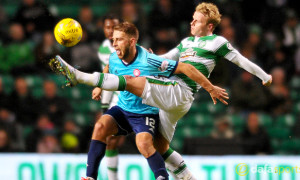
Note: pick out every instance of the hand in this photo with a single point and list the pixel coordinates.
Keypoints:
(268, 83)
(96, 94)
(219, 93)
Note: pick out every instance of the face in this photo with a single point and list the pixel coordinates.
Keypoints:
(49, 89)
(108, 28)
(121, 43)
(199, 27)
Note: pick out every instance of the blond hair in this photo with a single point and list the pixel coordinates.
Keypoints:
(210, 11)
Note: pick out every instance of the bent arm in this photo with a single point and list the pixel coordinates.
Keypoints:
(106, 69)
(252, 68)
(195, 75)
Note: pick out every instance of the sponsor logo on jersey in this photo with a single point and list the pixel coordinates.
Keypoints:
(136, 72)
(187, 53)
(201, 44)
(164, 65)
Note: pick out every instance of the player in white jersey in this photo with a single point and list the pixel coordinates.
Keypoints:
(110, 98)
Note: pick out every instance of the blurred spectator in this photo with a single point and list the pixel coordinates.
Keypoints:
(297, 61)
(85, 19)
(12, 128)
(164, 23)
(3, 26)
(22, 103)
(5, 141)
(222, 129)
(43, 127)
(53, 105)
(46, 50)
(280, 94)
(247, 94)
(18, 52)
(254, 138)
(291, 30)
(3, 97)
(35, 17)
(131, 11)
(48, 144)
(280, 59)
(70, 138)
(84, 55)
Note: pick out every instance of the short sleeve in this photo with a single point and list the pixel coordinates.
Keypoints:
(161, 66)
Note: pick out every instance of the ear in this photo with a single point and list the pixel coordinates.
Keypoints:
(132, 41)
(210, 26)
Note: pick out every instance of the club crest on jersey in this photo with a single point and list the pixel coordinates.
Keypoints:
(164, 65)
(188, 52)
(136, 72)
(201, 44)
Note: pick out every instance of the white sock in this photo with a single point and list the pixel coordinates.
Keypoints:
(176, 165)
(87, 78)
(112, 160)
(111, 82)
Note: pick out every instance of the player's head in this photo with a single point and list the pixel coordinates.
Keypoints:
(109, 22)
(205, 19)
(125, 37)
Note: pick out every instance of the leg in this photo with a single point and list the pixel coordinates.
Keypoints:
(109, 82)
(111, 154)
(174, 161)
(144, 142)
(104, 127)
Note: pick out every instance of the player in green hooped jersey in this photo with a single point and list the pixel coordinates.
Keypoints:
(174, 95)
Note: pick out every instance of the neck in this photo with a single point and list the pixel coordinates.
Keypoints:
(131, 55)
(208, 34)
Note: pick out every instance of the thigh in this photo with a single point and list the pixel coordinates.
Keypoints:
(165, 94)
(120, 119)
(144, 123)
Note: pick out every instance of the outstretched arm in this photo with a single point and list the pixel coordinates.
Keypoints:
(172, 54)
(252, 68)
(193, 73)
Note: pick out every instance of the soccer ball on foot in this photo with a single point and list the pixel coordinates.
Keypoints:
(68, 32)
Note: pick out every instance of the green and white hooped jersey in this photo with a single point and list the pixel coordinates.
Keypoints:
(104, 52)
(203, 53)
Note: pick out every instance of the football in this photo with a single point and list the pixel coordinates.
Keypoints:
(68, 32)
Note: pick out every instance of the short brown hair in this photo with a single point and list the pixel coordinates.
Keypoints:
(210, 11)
(128, 28)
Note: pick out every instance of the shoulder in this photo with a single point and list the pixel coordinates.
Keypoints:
(187, 39)
(220, 40)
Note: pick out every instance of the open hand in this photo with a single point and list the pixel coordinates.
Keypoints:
(219, 93)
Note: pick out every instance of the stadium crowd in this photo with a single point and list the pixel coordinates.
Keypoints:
(37, 115)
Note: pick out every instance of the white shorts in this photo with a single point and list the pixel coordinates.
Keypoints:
(110, 98)
(173, 100)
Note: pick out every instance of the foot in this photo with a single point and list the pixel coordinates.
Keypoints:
(88, 178)
(58, 65)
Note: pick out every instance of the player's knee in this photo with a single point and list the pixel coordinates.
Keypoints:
(100, 129)
(146, 148)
